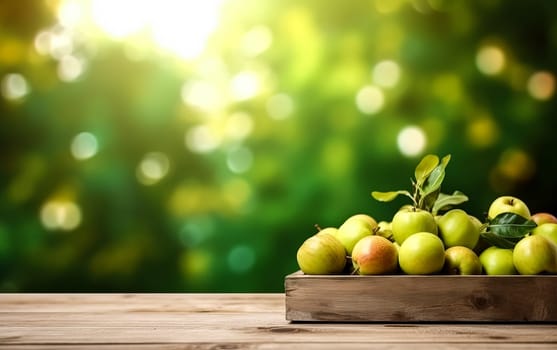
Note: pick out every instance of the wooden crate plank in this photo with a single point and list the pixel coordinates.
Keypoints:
(406, 298)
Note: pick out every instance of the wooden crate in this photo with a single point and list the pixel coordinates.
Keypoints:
(409, 298)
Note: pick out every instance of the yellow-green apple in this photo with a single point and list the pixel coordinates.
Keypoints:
(422, 253)
(508, 204)
(544, 218)
(384, 229)
(456, 228)
(353, 229)
(328, 231)
(365, 217)
(321, 255)
(535, 254)
(476, 222)
(374, 255)
(497, 261)
(548, 230)
(408, 221)
(461, 260)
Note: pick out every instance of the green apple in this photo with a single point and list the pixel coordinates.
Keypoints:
(508, 204)
(544, 218)
(461, 260)
(422, 253)
(321, 254)
(548, 230)
(408, 221)
(353, 229)
(456, 228)
(535, 254)
(498, 261)
(374, 255)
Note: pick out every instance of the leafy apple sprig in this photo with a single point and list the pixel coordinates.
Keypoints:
(506, 229)
(426, 187)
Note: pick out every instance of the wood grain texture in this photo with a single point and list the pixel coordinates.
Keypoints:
(227, 321)
(439, 298)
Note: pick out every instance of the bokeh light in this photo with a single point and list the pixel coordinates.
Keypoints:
(490, 60)
(56, 41)
(280, 106)
(257, 40)
(84, 146)
(14, 86)
(245, 85)
(153, 167)
(386, 74)
(514, 166)
(241, 258)
(202, 139)
(239, 126)
(196, 264)
(60, 215)
(541, 85)
(239, 159)
(483, 132)
(236, 194)
(196, 231)
(203, 95)
(70, 13)
(70, 68)
(370, 99)
(411, 141)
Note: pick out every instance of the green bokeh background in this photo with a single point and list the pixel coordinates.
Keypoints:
(245, 186)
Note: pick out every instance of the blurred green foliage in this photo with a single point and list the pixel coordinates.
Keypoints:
(125, 166)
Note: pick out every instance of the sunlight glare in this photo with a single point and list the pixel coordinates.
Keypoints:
(178, 27)
(119, 19)
(183, 27)
(70, 13)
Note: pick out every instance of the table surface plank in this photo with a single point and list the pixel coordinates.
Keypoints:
(231, 321)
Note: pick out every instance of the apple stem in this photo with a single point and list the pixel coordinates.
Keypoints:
(416, 198)
(317, 227)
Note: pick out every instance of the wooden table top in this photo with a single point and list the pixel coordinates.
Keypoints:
(227, 321)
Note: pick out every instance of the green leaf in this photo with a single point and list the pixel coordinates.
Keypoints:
(436, 177)
(425, 167)
(445, 161)
(428, 201)
(434, 180)
(447, 201)
(497, 241)
(389, 196)
(511, 225)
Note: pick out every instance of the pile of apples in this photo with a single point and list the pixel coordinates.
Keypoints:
(420, 240)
